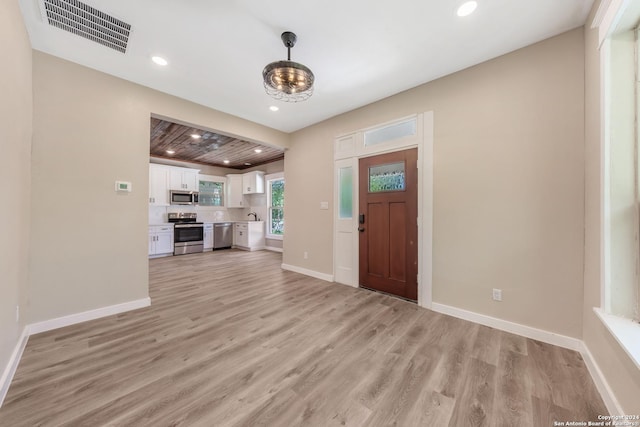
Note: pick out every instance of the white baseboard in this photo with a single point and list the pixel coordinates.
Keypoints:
(72, 319)
(273, 249)
(601, 383)
(249, 249)
(12, 366)
(47, 325)
(609, 399)
(514, 328)
(307, 272)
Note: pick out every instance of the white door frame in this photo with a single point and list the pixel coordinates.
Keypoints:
(348, 149)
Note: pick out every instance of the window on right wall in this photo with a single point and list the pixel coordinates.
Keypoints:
(275, 204)
(622, 286)
(620, 262)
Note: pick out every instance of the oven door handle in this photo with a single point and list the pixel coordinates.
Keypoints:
(189, 226)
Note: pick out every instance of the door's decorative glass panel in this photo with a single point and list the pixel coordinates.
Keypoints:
(346, 192)
(211, 193)
(389, 177)
(391, 132)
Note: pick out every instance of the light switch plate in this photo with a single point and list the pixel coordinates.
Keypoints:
(324, 205)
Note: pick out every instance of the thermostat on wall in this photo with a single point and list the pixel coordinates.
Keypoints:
(123, 186)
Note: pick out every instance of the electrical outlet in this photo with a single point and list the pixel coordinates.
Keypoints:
(306, 255)
(497, 294)
(17, 313)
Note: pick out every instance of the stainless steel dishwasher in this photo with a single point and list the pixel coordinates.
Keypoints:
(222, 235)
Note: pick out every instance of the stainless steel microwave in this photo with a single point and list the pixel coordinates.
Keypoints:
(183, 197)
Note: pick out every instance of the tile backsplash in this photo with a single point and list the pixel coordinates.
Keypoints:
(257, 203)
(158, 214)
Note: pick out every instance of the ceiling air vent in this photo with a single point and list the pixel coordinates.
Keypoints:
(85, 21)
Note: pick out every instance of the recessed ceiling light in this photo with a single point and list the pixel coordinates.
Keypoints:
(171, 152)
(467, 8)
(195, 136)
(159, 60)
(226, 162)
(258, 150)
(273, 108)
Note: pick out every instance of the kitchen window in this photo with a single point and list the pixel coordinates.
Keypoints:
(211, 193)
(275, 203)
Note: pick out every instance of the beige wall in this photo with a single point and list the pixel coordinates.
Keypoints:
(621, 374)
(88, 243)
(15, 146)
(508, 184)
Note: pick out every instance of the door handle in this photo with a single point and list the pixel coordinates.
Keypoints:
(361, 229)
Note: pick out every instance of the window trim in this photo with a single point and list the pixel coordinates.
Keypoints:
(625, 331)
(218, 179)
(268, 179)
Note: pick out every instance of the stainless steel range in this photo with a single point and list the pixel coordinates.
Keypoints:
(188, 234)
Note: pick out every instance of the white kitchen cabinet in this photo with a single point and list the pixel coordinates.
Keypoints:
(158, 185)
(240, 235)
(183, 179)
(235, 197)
(248, 235)
(253, 182)
(160, 240)
(208, 236)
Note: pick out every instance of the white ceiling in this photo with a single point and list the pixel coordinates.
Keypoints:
(359, 50)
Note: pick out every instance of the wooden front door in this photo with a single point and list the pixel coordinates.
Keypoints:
(388, 223)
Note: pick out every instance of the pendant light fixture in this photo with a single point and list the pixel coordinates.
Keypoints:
(287, 80)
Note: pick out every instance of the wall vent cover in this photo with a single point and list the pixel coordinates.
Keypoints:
(85, 21)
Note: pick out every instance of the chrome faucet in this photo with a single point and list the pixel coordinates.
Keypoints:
(255, 215)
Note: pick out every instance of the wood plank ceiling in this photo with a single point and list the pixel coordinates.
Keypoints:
(210, 148)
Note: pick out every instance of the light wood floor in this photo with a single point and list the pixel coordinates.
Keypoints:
(231, 339)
